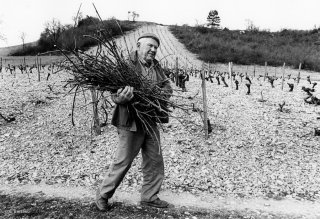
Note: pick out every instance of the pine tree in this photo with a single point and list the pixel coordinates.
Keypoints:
(213, 19)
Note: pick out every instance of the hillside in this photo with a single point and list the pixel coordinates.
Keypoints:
(6, 51)
(70, 37)
(172, 48)
(252, 47)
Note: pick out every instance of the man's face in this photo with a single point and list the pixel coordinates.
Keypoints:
(147, 49)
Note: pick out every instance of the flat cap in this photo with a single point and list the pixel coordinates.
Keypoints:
(150, 35)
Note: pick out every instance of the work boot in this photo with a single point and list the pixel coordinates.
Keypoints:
(102, 203)
(156, 203)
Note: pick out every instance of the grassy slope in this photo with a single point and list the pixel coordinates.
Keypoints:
(5, 51)
(292, 47)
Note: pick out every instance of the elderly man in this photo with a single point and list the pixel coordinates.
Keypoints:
(132, 136)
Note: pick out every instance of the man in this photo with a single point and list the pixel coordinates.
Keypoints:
(132, 136)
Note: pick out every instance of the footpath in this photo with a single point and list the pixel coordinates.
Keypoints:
(52, 201)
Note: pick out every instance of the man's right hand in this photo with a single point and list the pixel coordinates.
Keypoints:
(123, 95)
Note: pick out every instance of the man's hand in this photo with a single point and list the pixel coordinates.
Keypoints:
(123, 95)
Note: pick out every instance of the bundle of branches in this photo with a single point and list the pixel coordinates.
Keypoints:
(108, 69)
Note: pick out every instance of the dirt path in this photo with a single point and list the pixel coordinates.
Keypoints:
(260, 207)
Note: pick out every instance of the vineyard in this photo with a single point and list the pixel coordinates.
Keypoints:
(263, 142)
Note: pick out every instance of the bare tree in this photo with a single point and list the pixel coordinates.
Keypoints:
(2, 37)
(251, 26)
(134, 15)
(23, 37)
(53, 29)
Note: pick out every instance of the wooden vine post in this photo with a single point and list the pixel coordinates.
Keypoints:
(283, 70)
(204, 97)
(38, 67)
(177, 71)
(265, 71)
(254, 71)
(96, 122)
(230, 72)
(298, 79)
(1, 68)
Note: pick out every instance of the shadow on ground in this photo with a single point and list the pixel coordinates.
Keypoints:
(39, 206)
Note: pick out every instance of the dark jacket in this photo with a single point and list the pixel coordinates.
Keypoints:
(123, 117)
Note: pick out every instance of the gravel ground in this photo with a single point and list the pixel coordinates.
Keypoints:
(254, 150)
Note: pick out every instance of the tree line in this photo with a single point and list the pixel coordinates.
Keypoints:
(56, 35)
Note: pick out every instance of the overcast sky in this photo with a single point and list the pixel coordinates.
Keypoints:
(29, 16)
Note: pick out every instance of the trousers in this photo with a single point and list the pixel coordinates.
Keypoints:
(130, 143)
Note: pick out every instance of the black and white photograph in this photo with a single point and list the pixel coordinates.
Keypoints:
(126, 109)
